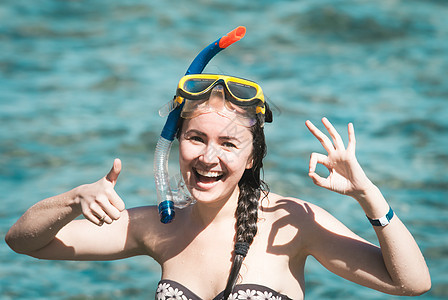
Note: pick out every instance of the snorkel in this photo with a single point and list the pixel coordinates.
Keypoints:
(168, 197)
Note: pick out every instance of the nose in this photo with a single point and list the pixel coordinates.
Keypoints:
(211, 154)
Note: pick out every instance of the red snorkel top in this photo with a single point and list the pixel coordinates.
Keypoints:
(232, 37)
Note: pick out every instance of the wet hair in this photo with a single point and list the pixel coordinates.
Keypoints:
(251, 188)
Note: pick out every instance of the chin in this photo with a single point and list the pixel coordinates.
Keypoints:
(213, 195)
(206, 196)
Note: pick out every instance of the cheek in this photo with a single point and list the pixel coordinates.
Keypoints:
(188, 150)
(240, 160)
(186, 153)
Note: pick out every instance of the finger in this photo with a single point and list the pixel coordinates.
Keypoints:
(89, 215)
(323, 139)
(337, 140)
(317, 158)
(111, 211)
(112, 176)
(115, 200)
(99, 213)
(351, 137)
(318, 180)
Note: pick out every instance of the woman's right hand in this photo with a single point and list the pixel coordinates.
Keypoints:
(99, 201)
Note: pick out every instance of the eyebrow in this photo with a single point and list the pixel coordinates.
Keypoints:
(194, 131)
(230, 138)
(225, 137)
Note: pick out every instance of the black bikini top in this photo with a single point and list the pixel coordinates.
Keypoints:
(170, 290)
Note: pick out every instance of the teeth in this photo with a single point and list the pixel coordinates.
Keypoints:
(209, 173)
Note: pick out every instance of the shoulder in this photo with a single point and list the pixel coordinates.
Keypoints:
(300, 210)
(142, 213)
(144, 227)
(307, 217)
(154, 237)
(145, 220)
(317, 226)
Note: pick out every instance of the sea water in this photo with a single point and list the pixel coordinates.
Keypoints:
(81, 83)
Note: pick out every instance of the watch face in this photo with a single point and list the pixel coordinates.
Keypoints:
(383, 221)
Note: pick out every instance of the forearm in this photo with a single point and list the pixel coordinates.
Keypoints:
(401, 254)
(38, 226)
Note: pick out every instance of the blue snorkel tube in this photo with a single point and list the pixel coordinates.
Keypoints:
(167, 199)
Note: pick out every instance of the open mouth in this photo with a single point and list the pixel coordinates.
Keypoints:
(207, 176)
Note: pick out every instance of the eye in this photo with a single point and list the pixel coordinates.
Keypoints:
(229, 145)
(196, 138)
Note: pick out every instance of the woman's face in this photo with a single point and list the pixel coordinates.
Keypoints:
(214, 151)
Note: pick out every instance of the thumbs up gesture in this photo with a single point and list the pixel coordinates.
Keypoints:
(99, 202)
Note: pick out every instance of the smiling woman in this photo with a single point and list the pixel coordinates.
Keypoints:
(212, 159)
(239, 240)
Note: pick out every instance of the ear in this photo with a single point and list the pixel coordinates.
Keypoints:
(250, 163)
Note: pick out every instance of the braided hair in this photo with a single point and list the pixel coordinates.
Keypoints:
(246, 214)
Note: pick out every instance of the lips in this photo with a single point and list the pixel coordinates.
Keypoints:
(207, 177)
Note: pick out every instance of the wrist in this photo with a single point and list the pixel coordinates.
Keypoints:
(74, 198)
(372, 202)
(367, 190)
(382, 221)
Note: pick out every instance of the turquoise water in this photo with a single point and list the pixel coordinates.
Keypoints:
(81, 83)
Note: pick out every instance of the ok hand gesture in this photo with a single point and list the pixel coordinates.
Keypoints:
(346, 175)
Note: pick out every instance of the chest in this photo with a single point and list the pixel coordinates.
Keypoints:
(209, 255)
(202, 261)
(206, 272)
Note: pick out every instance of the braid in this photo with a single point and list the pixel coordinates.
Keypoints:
(246, 213)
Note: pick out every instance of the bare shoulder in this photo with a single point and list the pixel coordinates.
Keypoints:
(143, 214)
(300, 210)
(307, 217)
(145, 221)
(145, 227)
(288, 225)
(154, 237)
(302, 223)
(289, 207)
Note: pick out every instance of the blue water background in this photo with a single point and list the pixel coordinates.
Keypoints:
(81, 83)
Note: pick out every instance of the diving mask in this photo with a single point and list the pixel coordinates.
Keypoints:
(202, 93)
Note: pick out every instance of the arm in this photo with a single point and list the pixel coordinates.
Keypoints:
(48, 229)
(398, 267)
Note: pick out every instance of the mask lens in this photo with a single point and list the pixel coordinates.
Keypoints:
(242, 91)
(196, 85)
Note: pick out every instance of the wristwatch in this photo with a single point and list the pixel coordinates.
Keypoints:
(384, 220)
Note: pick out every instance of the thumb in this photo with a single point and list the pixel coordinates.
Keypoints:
(112, 176)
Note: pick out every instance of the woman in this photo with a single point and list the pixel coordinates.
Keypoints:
(237, 237)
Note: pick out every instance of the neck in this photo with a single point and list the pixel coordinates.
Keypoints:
(217, 211)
